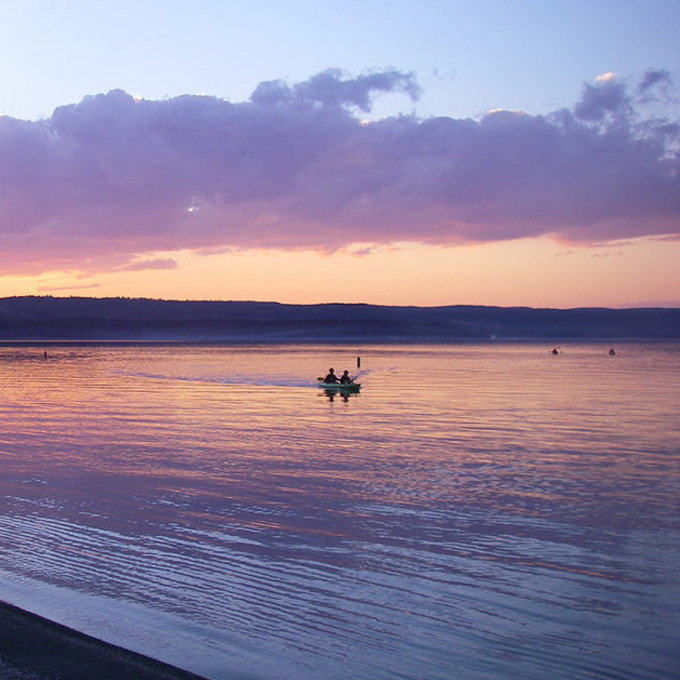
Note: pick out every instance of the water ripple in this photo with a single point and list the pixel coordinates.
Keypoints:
(517, 519)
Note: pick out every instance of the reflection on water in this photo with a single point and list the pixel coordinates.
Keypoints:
(474, 512)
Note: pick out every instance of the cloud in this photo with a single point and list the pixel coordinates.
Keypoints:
(330, 89)
(60, 289)
(652, 78)
(155, 263)
(608, 96)
(118, 177)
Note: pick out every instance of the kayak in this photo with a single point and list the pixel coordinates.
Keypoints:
(341, 387)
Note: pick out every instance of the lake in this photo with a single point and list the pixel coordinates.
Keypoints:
(474, 512)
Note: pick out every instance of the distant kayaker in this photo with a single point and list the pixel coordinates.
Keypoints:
(345, 379)
(331, 377)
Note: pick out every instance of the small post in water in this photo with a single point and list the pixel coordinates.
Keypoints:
(358, 362)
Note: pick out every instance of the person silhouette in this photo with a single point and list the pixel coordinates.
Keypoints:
(331, 377)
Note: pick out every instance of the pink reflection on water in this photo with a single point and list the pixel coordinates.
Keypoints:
(468, 495)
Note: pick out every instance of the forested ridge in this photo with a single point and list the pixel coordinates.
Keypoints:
(83, 318)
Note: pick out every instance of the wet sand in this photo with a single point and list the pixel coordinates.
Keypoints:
(33, 648)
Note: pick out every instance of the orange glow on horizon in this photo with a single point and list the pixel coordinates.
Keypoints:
(529, 272)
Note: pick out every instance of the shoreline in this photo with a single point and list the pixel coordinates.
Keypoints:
(35, 648)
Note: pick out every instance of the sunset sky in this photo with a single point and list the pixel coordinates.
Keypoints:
(494, 152)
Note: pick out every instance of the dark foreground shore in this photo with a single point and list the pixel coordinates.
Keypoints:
(33, 648)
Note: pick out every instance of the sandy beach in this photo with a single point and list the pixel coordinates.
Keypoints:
(33, 648)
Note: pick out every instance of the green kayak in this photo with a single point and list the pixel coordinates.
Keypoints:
(340, 387)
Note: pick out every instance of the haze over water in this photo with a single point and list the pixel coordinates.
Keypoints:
(475, 512)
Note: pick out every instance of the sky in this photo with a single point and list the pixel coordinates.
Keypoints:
(496, 152)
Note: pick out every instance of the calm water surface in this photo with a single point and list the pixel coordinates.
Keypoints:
(475, 512)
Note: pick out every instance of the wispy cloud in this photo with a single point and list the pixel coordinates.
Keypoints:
(294, 167)
(155, 263)
(61, 289)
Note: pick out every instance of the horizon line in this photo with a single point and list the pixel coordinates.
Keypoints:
(628, 306)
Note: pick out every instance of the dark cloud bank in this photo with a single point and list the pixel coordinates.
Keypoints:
(104, 181)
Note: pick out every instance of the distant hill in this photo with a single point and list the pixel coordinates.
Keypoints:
(80, 318)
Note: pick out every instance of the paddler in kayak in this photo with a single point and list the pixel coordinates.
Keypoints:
(345, 379)
(331, 377)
